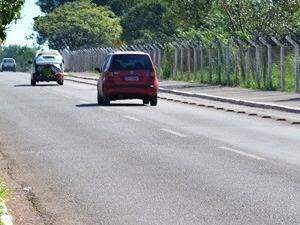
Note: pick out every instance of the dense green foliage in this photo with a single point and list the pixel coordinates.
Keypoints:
(78, 25)
(147, 21)
(164, 20)
(20, 54)
(3, 194)
(9, 11)
(119, 7)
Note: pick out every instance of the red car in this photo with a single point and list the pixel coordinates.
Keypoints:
(127, 75)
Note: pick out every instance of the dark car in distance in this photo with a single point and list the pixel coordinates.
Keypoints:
(127, 75)
(8, 64)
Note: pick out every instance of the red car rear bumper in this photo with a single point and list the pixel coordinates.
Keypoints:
(123, 92)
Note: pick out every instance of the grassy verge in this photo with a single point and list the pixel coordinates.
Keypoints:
(3, 198)
(235, 80)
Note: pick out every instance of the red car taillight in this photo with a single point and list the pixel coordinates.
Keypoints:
(108, 76)
(151, 77)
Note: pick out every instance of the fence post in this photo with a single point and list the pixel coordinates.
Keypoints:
(201, 63)
(297, 63)
(189, 58)
(269, 47)
(195, 56)
(181, 57)
(238, 66)
(228, 65)
(245, 60)
(219, 70)
(282, 66)
(154, 49)
(210, 65)
(159, 57)
(257, 61)
(175, 66)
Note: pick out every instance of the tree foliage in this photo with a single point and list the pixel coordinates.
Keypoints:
(205, 20)
(147, 22)
(49, 5)
(77, 25)
(119, 7)
(9, 11)
(252, 18)
(190, 13)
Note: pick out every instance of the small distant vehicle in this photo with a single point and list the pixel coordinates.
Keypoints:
(48, 65)
(127, 75)
(8, 64)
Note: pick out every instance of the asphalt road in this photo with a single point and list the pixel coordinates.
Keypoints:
(133, 164)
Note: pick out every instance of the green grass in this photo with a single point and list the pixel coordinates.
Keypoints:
(3, 197)
(3, 191)
(220, 78)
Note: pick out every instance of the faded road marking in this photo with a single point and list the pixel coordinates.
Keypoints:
(105, 109)
(173, 132)
(132, 118)
(84, 102)
(242, 153)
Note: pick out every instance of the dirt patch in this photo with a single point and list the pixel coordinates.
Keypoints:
(23, 205)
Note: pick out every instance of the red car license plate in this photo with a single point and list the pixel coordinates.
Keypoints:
(132, 78)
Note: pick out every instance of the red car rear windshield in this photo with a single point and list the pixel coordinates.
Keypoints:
(131, 62)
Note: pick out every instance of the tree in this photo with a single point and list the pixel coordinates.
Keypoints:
(79, 24)
(9, 11)
(146, 22)
(119, 7)
(190, 13)
(49, 5)
(252, 18)
(20, 54)
(244, 19)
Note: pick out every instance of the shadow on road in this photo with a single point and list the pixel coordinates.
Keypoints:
(289, 100)
(111, 105)
(41, 85)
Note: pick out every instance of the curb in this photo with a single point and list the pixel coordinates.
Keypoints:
(233, 101)
(82, 77)
(217, 98)
(5, 218)
(230, 110)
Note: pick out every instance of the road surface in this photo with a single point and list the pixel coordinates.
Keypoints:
(133, 164)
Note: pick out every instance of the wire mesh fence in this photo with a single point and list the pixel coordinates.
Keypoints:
(269, 65)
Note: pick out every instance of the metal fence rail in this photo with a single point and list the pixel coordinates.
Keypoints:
(261, 64)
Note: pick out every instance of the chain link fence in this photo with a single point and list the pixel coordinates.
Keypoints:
(270, 65)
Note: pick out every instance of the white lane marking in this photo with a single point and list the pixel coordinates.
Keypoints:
(242, 153)
(132, 118)
(173, 132)
(68, 97)
(84, 102)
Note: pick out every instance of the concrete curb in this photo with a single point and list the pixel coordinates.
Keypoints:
(81, 82)
(233, 101)
(82, 77)
(5, 218)
(216, 98)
